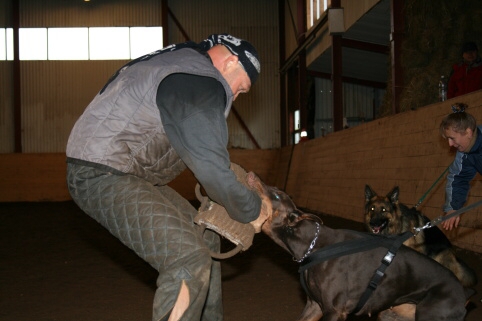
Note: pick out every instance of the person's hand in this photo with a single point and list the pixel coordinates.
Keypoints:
(451, 222)
(264, 214)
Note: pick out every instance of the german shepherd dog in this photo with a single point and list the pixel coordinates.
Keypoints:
(385, 215)
(413, 281)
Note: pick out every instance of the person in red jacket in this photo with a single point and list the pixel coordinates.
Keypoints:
(466, 76)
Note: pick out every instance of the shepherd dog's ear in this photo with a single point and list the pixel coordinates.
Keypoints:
(369, 193)
(393, 195)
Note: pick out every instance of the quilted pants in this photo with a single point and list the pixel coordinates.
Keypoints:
(157, 224)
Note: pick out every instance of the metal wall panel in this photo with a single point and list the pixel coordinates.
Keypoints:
(54, 93)
(360, 104)
(6, 89)
(77, 13)
(291, 28)
(257, 22)
(6, 108)
(5, 14)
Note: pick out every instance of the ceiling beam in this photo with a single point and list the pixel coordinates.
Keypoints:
(350, 80)
(365, 46)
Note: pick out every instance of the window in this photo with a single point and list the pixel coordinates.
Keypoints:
(68, 43)
(314, 10)
(3, 42)
(145, 40)
(81, 43)
(33, 44)
(109, 43)
(299, 133)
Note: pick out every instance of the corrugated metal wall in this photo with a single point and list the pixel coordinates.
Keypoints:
(5, 10)
(257, 22)
(291, 28)
(360, 104)
(6, 88)
(6, 107)
(77, 13)
(54, 93)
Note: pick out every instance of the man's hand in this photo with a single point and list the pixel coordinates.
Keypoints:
(451, 222)
(266, 209)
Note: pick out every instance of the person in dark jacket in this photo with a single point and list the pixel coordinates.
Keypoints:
(466, 76)
(156, 116)
(462, 133)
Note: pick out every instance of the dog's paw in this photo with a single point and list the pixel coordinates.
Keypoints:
(404, 312)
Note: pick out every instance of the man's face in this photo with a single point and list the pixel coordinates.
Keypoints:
(470, 56)
(460, 141)
(237, 79)
(231, 69)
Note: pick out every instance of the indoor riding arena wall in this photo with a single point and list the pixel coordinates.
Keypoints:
(329, 174)
(326, 175)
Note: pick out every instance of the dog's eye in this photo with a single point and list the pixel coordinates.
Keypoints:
(276, 196)
(372, 209)
(383, 209)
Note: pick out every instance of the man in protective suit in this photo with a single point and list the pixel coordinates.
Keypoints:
(157, 115)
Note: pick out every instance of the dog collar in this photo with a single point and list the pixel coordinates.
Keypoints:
(312, 244)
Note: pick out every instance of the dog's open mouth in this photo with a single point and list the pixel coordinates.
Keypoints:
(377, 229)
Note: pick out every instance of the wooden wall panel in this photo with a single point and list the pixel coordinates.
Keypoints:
(38, 177)
(33, 177)
(328, 174)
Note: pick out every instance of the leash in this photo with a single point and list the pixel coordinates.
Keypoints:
(341, 249)
(431, 187)
(289, 166)
(441, 219)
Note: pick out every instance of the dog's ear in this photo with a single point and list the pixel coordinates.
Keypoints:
(393, 195)
(293, 217)
(369, 193)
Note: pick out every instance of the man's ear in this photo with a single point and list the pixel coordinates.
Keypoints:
(230, 62)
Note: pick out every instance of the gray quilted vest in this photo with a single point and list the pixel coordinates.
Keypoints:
(122, 128)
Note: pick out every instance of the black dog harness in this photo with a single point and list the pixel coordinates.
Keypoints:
(369, 242)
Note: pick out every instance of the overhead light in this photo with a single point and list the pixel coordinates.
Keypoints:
(336, 24)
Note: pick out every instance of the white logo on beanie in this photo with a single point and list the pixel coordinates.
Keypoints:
(253, 60)
(235, 41)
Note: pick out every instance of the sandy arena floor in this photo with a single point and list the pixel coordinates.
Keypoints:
(57, 264)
